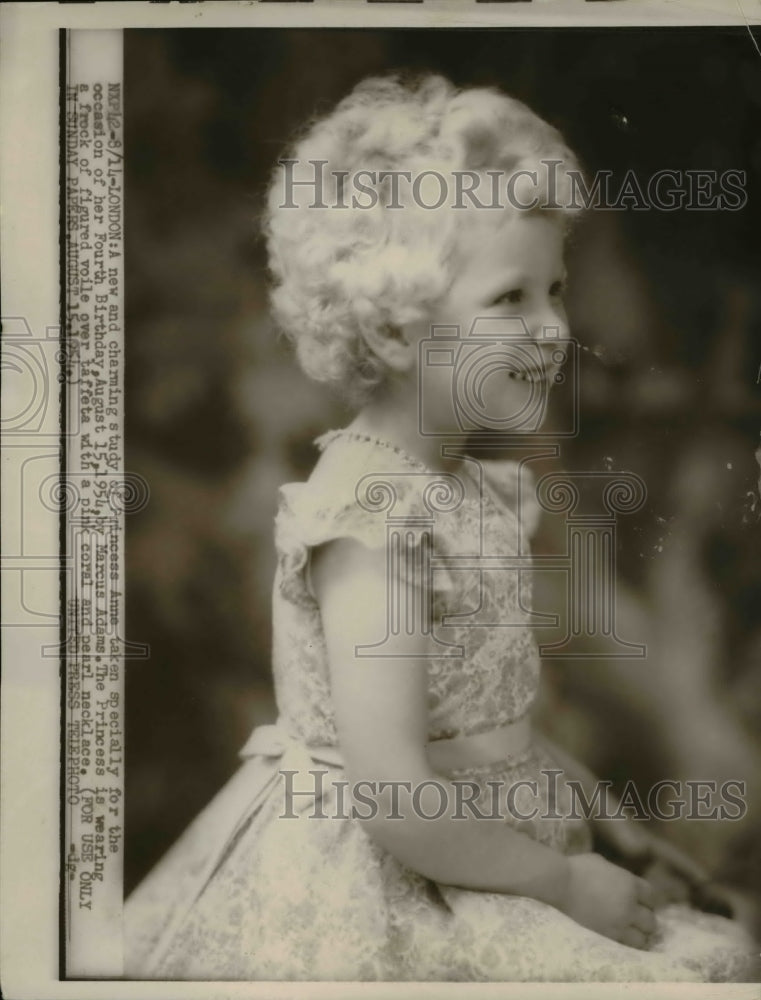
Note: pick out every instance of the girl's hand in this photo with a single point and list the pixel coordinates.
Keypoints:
(677, 878)
(673, 874)
(610, 900)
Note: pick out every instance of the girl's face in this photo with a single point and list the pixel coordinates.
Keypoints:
(510, 272)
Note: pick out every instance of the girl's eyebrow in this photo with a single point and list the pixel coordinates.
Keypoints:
(510, 283)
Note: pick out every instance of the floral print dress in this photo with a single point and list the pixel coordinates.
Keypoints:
(258, 888)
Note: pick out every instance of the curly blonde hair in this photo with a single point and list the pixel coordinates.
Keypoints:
(340, 271)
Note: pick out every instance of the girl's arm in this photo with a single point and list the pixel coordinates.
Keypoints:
(381, 716)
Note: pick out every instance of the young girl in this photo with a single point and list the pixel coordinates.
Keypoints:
(401, 821)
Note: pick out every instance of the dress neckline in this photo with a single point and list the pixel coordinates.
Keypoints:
(344, 433)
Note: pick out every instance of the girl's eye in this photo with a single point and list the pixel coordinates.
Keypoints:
(514, 296)
(557, 289)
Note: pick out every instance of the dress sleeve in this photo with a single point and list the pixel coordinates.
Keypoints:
(306, 518)
(310, 515)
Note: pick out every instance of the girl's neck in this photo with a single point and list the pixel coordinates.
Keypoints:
(391, 415)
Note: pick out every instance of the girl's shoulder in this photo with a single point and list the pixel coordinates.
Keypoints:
(361, 482)
(354, 482)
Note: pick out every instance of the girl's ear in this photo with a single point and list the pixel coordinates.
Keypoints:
(393, 345)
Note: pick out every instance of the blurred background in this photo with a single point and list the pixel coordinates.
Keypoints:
(667, 305)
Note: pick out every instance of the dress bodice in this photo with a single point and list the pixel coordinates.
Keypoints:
(483, 668)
